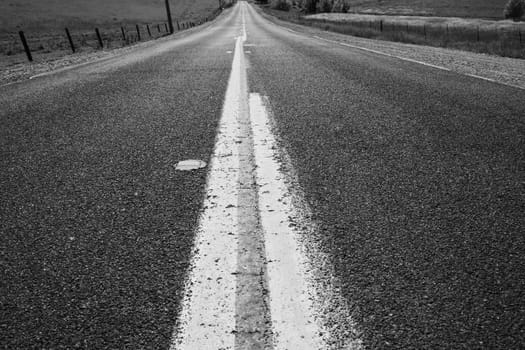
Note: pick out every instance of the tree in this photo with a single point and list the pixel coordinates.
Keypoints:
(324, 6)
(310, 6)
(514, 9)
(283, 5)
(340, 6)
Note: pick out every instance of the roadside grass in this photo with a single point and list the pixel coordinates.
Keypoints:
(45, 16)
(44, 23)
(503, 38)
(492, 9)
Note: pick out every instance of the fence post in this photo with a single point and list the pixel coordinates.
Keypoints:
(168, 14)
(381, 25)
(123, 33)
(99, 38)
(138, 31)
(149, 31)
(70, 40)
(26, 47)
(166, 26)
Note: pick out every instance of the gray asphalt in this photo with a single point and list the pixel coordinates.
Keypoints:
(96, 224)
(415, 177)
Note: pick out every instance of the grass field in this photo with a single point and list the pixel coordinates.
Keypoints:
(490, 9)
(496, 37)
(43, 23)
(53, 15)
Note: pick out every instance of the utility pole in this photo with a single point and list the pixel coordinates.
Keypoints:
(168, 12)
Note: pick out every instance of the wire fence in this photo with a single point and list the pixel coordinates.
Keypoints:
(493, 39)
(99, 38)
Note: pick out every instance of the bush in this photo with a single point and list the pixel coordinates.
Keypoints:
(340, 6)
(324, 6)
(309, 6)
(514, 9)
(282, 5)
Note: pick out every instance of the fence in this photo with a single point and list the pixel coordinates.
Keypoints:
(98, 38)
(505, 41)
(447, 32)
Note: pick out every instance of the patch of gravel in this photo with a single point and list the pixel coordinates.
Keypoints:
(510, 71)
(12, 73)
(22, 71)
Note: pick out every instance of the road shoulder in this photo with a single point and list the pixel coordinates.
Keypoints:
(502, 70)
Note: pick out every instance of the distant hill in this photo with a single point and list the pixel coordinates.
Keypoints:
(447, 8)
(55, 14)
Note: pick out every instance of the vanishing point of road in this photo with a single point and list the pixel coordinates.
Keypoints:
(350, 200)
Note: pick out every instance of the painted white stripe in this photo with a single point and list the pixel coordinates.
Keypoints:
(291, 309)
(418, 62)
(307, 311)
(382, 53)
(398, 57)
(207, 320)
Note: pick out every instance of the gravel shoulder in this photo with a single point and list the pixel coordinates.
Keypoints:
(504, 70)
(12, 70)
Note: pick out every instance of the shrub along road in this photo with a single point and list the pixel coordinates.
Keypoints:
(413, 175)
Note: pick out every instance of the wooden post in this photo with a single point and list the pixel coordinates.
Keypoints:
(381, 25)
(100, 43)
(123, 33)
(70, 39)
(149, 31)
(166, 27)
(138, 31)
(158, 28)
(26, 47)
(168, 14)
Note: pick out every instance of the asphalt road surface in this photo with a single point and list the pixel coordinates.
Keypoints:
(413, 176)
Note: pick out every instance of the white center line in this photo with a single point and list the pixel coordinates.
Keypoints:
(291, 309)
(207, 320)
(246, 244)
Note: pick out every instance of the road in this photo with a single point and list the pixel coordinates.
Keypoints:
(351, 200)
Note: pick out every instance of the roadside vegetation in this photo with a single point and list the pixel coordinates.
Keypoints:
(504, 36)
(120, 23)
(487, 9)
(514, 9)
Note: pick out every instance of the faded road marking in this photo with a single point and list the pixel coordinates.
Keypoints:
(294, 326)
(207, 320)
